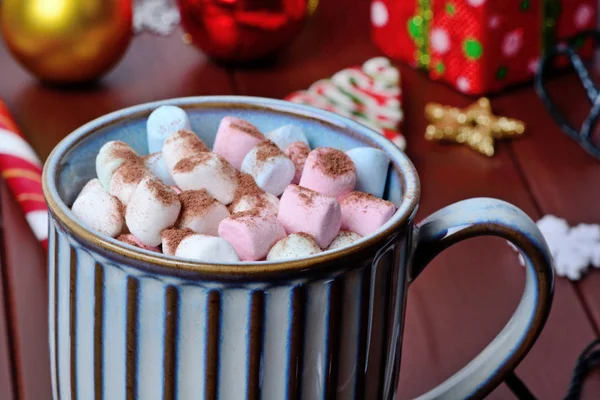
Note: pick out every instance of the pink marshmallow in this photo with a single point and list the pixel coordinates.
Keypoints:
(364, 213)
(329, 171)
(297, 152)
(235, 138)
(252, 233)
(303, 210)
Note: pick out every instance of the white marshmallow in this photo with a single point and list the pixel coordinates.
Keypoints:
(100, 211)
(201, 212)
(156, 166)
(110, 157)
(182, 144)
(207, 171)
(152, 208)
(344, 239)
(249, 201)
(93, 185)
(208, 249)
(126, 179)
(371, 169)
(272, 170)
(286, 135)
(294, 246)
(162, 123)
(171, 237)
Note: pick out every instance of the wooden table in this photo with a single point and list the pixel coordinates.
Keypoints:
(454, 308)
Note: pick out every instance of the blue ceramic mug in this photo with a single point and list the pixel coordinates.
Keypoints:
(128, 323)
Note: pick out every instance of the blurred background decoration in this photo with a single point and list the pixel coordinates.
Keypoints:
(478, 46)
(67, 41)
(242, 30)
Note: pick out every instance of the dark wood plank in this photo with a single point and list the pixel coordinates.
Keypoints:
(154, 68)
(561, 175)
(6, 373)
(465, 297)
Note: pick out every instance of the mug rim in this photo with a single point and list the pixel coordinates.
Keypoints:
(63, 215)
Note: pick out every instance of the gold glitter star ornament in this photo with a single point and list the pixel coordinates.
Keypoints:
(474, 126)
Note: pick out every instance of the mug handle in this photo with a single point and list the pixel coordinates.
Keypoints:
(482, 217)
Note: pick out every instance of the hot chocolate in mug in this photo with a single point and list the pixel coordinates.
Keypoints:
(126, 323)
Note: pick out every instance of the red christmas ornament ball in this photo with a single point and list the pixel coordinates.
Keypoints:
(242, 30)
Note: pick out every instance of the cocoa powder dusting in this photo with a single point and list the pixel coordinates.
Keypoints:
(306, 195)
(305, 236)
(127, 239)
(189, 163)
(246, 187)
(248, 128)
(163, 193)
(356, 196)
(266, 150)
(191, 141)
(123, 151)
(172, 237)
(334, 162)
(133, 170)
(194, 203)
(253, 213)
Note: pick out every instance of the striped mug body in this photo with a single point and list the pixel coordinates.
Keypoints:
(126, 323)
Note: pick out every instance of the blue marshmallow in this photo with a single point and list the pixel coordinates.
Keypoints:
(371, 169)
(286, 135)
(162, 123)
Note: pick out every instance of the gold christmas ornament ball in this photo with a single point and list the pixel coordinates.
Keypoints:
(67, 41)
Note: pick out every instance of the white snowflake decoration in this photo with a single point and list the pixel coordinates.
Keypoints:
(573, 249)
(156, 16)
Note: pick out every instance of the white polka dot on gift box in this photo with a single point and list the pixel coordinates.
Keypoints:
(476, 3)
(512, 43)
(583, 15)
(379, 14)
(439, 41)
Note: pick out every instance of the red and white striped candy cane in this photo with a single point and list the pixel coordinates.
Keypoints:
(22, 170)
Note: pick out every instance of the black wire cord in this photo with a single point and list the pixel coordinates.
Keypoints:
(587, 361)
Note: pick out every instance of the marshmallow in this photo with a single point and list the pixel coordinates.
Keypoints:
(248, 196)
(364, 213)
(207, 171)
(110, 157)
(200, 212)
(208, 249)
(162, 123)
(154, 163)
(153, 207)
(248, 202)
(303, 210)
(329, 171)
(298, 152)
(286, 135)
(171, 237)
(93, 185)
(344, 239)
(272, 170)
(182, 144)
(235, 138)
(133, 241)
(296, 245)
(100, 211)
(126, 179)
(371, 169)
(251, 233)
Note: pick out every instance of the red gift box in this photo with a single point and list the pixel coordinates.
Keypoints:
(478, 46)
